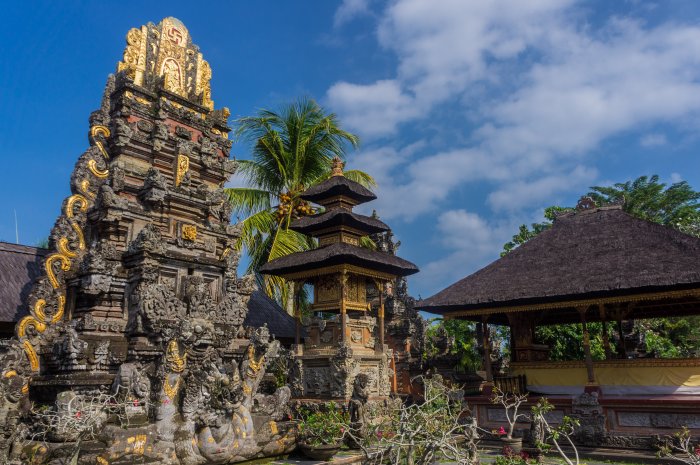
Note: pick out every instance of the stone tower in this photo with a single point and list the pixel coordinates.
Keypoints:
(140, 301)
(343, 338)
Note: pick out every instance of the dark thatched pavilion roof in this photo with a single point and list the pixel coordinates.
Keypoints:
(339, 254)
(603, 252)
(20, 265)
(335, 186)
(335, 218)
(263, 310)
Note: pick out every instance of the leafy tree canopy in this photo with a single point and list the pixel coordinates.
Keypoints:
(645, 197)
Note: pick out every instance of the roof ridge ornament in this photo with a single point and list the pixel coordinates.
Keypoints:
(337, 166)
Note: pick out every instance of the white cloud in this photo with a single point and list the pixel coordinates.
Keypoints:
(472, 242)
(349, 10)
(653, 140)
(374, 109)
(676, 177)
(519, 194)
(550, 91)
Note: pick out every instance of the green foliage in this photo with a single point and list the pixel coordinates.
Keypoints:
(565, 341)
(645, 197)
(463, 335)
(671, 337)
(292, 150)
(649, 199)
(327, 425)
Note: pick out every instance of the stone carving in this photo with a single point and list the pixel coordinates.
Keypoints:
(154, 188)
(588, 411)
(357, 406)
(144, 274)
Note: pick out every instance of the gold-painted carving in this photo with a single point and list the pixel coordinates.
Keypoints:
(171, 389)
(79, 233)
(31, 355)
(254, 365)
(189, 232)
(134, 63)
(85, 188)
(72, 200)
(183, 165)
(10, 374)
(103, 131)
(225, 253)
(50, 273)
(63, 248)
(176, 362)
(102, 461)
(39, 310)
(203, 84)
(61, 308)
(92, 166)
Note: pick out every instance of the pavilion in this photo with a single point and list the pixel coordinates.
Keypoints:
(595, 264)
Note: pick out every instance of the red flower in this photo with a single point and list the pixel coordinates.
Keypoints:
(501, 431)
(77, 414)
(697, 451)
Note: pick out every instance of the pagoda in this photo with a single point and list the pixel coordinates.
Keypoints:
(344, 337)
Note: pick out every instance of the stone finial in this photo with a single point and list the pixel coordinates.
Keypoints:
(337, 167)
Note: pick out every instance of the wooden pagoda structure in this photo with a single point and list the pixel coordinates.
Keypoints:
(596, 264)
(344, 337)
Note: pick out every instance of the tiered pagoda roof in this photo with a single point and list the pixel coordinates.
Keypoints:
(339, 230)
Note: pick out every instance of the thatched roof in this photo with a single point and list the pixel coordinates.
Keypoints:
(20, 265)
(335, 186)
(336, 218)
(263, 310)
(338, 254)
(590, 254)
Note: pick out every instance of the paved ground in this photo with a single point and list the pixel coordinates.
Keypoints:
(488, 456)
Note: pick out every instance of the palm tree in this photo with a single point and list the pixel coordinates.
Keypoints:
(292, 150)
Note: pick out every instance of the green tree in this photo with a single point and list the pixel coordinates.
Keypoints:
(645, 197)
(292, 149)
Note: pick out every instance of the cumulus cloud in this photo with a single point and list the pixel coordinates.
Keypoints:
(349, 10)
(372, 110)
(552, 87)
(653, 140)
(472, 242)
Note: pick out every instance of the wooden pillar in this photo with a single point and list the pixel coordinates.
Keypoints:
(621, 337)
(587, 348)
(487, 350)
(381, 315)
(297, 315)
(343, 310)
(606, 337)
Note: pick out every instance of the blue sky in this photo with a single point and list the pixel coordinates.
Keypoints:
(474, 115)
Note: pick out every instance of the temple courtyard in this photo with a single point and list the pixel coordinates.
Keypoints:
(135, 336)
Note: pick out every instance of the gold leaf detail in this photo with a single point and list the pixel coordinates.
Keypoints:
(92, 166)
(189, 232)
(65, 266)
(72, 200)
(100, 130)
(183, 165)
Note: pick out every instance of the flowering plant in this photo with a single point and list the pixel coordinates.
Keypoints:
(327, 425)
